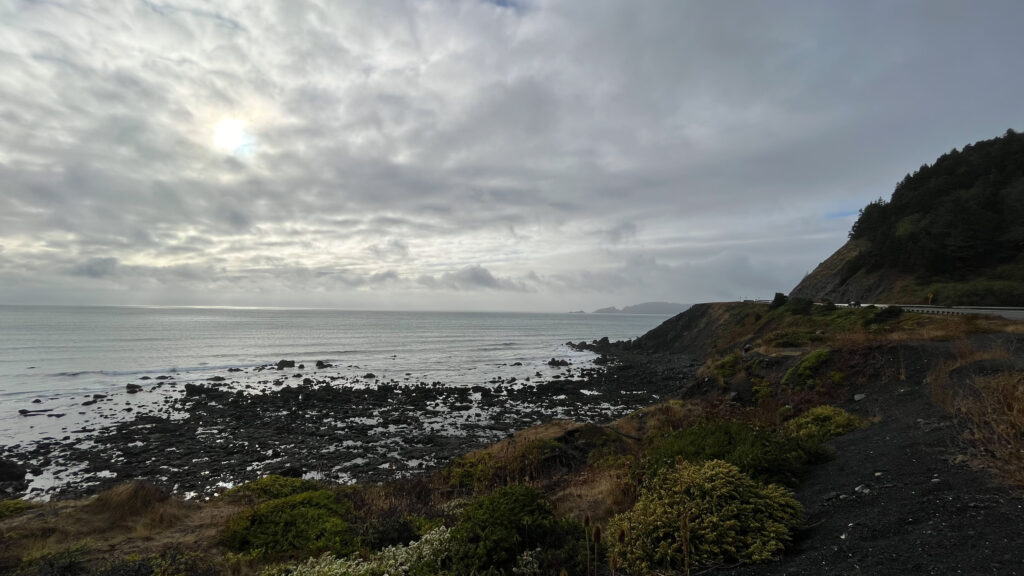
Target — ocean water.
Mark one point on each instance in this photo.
(54, 358)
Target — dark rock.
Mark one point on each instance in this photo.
(234, 369)
(320, 365)
(557, 362)
(282, 364)
(37, 401)
(133, 388)
(145, 378)
(369, 376)
(11, 471)
(216, 379)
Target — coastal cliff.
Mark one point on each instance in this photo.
(952, 233)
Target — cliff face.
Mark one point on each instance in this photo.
(840, 278)
(688, 333)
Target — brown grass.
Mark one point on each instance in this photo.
(134, 518)
(989, 402)
(994, 410)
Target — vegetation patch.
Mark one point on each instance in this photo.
(822, 423)
(300, 525)
(10, 508)
(272, 487)
(759, 452)
(805, 373)
(427, 556)
(694, 515)
(495, 530)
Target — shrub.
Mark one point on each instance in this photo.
(474, 472)
(761, 453)
(171, 562)
(800, 306)
(303, 524)
(69, 561)
(822, 423)
(425, 557)
(272, 487)
(706, 514)
(494, 530)
(883, 315)
(803, 374)
(10, 508)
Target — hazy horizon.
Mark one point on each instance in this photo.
(502, 155)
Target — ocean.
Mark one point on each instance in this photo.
(52, 359)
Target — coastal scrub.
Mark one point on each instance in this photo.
(694, 515)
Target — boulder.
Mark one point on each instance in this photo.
(282, 364)
(133, 388)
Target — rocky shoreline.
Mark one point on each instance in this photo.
(315, 423)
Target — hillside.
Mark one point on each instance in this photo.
(953, 230)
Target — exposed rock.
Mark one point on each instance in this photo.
(282, 364)
(133, 388)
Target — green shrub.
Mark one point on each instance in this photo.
(494, 530)
(425, 557)
(303, 524)
(761, 453)
(272, 487)
(883, 315)
(800, 306)
(822, 423)
(10, 508)
(171, 562)
(69, 561)
(726, 368)
(694, 515)
(779, 300)
(803, 375)
(474, 472)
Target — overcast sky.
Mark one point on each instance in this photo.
(513, 155)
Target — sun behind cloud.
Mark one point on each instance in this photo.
(229, 135)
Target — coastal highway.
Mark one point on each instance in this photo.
(1006, 312)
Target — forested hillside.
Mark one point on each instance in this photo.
(953, 230)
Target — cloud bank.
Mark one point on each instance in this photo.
(533, 155)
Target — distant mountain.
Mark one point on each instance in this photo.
(951, 234)
(667, 308)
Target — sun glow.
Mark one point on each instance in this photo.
(230, 136)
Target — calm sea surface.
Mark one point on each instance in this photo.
(51, 358)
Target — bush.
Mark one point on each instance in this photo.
(168, 563)
(69, 561)
(803, 374)
(425, 557)
(779, 300)
(10, 508)
(822, 423)
(706, 514)
(761, 453)
(272, 487)
(304, 524)
(883, 315)
(800, 306)
(494, 530)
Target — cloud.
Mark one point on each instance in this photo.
(96, 268)
(473, 277)
(533, 153)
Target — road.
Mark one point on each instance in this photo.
(1006, 312)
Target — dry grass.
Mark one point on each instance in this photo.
(989, 400)
(134, 518)
(994, 409)
(596, 492)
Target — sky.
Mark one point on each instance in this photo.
(534, 155)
